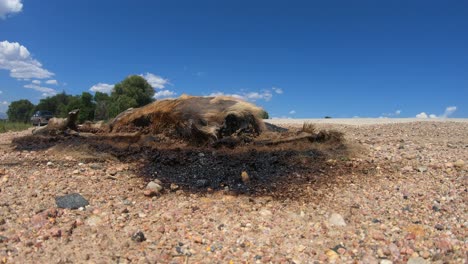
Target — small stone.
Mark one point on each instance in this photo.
(407, 169)
(55, 232)
(96, 166)
(300, 248)
(50, 164)
(174, 187)
(378, 236)
(141, 215)
(201, 183)
(265, 212)
(2, 221)
(386, 261)
(332, 255)
(425, 254)
(3, 239)
(154, 186)
(138, 237)
(245, 177)
(417, 260)
(93, 220)
(150, 193)
(422, 168)
(439, 227)
(436, 208)
(201, 154)
(76, 171)
(459, 163)
(336, 220)
(71, 201)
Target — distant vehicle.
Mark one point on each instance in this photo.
(41, 118)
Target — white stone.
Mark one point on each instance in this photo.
(336, 220)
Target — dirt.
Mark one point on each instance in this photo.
(389, 193)
(280, 171)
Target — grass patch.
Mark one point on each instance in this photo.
(6, 126)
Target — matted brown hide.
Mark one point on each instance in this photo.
(193, 118)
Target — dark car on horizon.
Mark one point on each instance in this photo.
(41, 118)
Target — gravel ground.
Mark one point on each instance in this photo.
(410, 205)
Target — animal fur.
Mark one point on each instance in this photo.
(195, 118)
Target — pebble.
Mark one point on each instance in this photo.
(422, 168)
(93, 220)
(407, 169)
(71, 201)
(201, 183)
(174, 187)
(245, 177)
(386, 261)
(154, 186)
(332, 255)
(336, 220)
(459, 163)
(55, 232)
(138, 237)
(417, 260)
(96, 166)
(49, 163)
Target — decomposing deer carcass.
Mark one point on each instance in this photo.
(220, 121)
(193, 118)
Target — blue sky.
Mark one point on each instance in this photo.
(294, 58)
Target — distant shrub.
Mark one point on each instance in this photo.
(265, 115)
(6, 126)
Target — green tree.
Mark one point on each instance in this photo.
(20, 111)
(101, 111)
(264, 115)
(57, 104)
(134, 91)
(87, 107)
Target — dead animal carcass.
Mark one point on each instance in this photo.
(194, 118)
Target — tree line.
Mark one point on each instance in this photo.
(133, 91)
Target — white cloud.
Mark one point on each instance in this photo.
(10, 7)
(54, 82)
(254, 96)
(421, 115)
(4, 106)
(17, 59)
(249, 96)
(277, 90)
(102, 87)
(449, 111)
(397, 112)
(224, 94)
(36, 82)
(292, 112)
(1, 92)
(45, 91)
(164, 94)
(156, 81)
